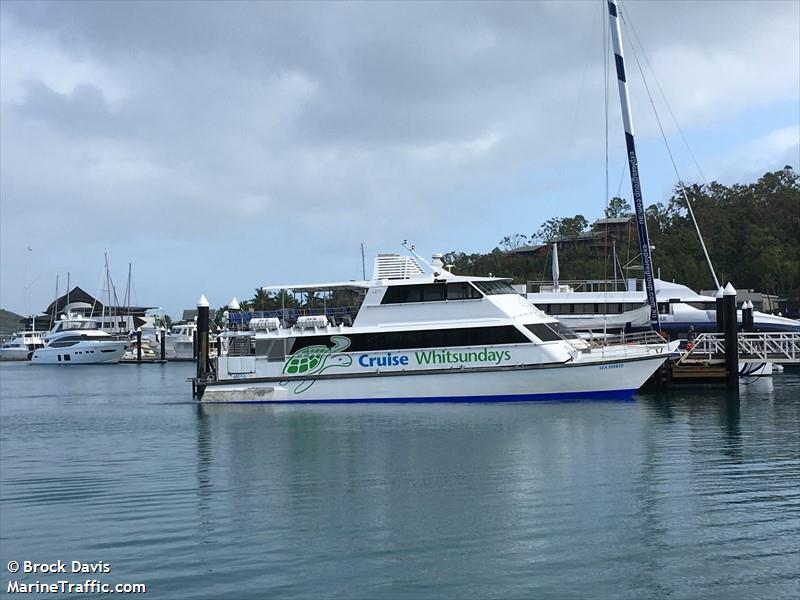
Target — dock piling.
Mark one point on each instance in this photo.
(747, 316)
(731, 337)
(139, 346)
(720, 311)
(202, 339)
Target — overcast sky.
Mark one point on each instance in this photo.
(222, 146)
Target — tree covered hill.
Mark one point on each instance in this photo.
(9, 321)
(752, 232)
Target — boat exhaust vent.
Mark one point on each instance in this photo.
(394, 266)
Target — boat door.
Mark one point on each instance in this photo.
(241, 356)
(241, 365)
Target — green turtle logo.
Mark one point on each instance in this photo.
(316, 359)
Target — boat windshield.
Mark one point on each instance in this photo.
(73, 325)
(493, 288)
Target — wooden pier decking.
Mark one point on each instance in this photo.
(704, 361)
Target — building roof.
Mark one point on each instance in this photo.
(528, 249)
(614, 220)
(77, 294)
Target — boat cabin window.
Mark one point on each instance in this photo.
(74, 325)
(407, 340)
(543, 332)
(595, 308)
(462, 291)
(66, 341)
(273, 349)
(492, 288)
(548, 332)
(703, 305)
(401, 294)
(562, 330)
(430, 292)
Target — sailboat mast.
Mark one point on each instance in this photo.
(638, 204)
(55, 306)
(555, 267)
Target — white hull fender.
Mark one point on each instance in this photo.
(84, 353)
(572, 380)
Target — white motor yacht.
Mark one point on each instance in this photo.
(420, 336)
(22, 345)
(679, 309)
(78, 340)
(179, 344)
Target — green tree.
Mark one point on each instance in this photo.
(512, 242)
(618, 208)
(751, 231)
(262, 300)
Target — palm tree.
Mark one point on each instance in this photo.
(262, 300)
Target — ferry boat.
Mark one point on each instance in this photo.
(77, 340)
(422, 334)
(21, 345)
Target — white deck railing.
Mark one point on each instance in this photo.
(768, 347)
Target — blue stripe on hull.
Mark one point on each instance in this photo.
(557, 396)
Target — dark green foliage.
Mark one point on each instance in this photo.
(752, 233)
(9, 322)
(618, 207)
(560, 227)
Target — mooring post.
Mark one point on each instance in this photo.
(747, 316)
(163, 343)
(202, 339)
(720, 311)
(731, 338)
(235, 308)
(138, 345)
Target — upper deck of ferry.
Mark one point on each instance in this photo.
(406, 295)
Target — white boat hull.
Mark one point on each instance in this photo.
(755, 369)
(14, 354)
(83, 353)
(179, 350)
(632, 319)
(576, 380)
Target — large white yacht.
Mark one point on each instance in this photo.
(584, 307)
(78, 340)
(22, 345)
(422, 335)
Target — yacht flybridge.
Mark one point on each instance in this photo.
(418, 333)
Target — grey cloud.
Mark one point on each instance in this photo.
(83, 111)
(325, 121)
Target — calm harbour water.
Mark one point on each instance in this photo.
(691, 494)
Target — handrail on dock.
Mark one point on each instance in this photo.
(776, 347)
